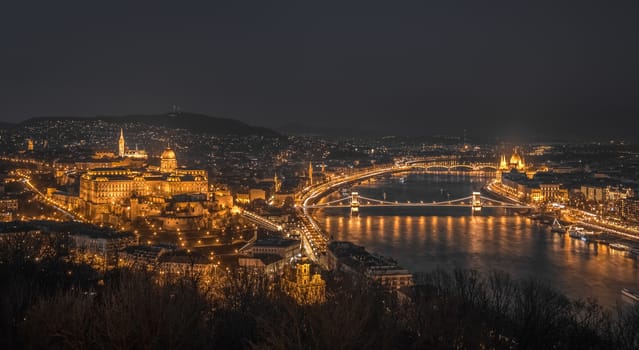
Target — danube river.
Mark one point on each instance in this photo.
(423, 239)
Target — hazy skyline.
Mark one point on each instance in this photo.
(524, 68)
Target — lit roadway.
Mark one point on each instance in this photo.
(590, 220)
(313, 239)
(584, 218)
(27, 181)
(39, 195)
(259, 220)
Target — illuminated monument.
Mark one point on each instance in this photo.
(107, 191)
(516, 162)
(123, 152)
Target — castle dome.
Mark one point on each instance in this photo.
(168, 154)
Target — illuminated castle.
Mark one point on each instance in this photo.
(105, 191)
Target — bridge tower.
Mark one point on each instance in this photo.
(354, 204)
(476, 201)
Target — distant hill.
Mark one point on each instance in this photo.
(309, 130)
(196, 123)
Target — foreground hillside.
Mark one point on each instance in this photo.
(54, 304)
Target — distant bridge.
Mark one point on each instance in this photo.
(438, 164)
(475, 202)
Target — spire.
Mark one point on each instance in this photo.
(276, 182)
(121, 147)
(502, 163)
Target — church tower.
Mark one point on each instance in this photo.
(121, 144)
(277, 184)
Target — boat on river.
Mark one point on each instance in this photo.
(557, 227)
(632, 294)
(579, 233)
(575, 231)
(618, 246)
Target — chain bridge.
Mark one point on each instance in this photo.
(475, 202)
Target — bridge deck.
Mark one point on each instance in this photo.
(431, 205)
(363, 202)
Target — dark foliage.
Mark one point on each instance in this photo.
(53, 304)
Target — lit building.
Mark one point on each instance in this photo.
(516, 162)
(304, 287)
(103, 190)
(99, 248)
(390, 276)
(185, 263)
(616, 193)
(123, 157)
(355, 260)
(286, 248)
(144, 257)
(8, 204)
(594, 193)
(257, 193)
(264, 263)
(123, 152)
(168, 161)
(183, 212)
(602, 192)
(553, 192)
(630, 209)
(100, 188)
(242, 198)
(517, 185)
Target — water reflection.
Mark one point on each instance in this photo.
(423, 240)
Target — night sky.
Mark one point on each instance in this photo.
(407, 67)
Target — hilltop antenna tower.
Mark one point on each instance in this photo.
(176, 110)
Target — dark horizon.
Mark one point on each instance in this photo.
(519, 70)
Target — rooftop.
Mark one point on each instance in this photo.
(276, 242)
